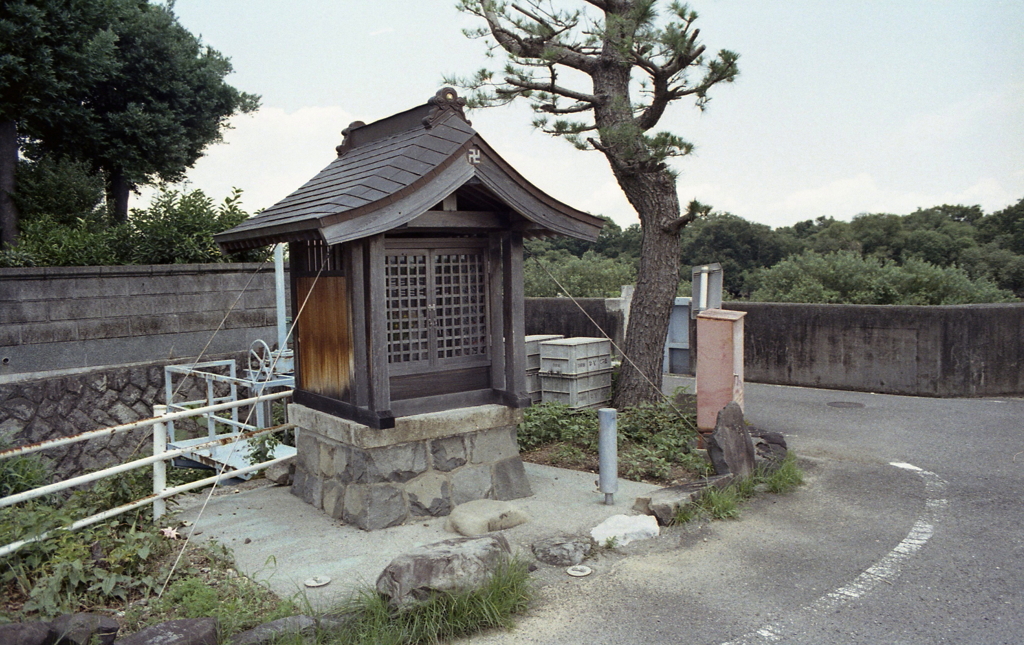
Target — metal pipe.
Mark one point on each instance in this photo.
(131, 465)
(282, 324)
(135, 425)
(159, 467)
(170, 492)
(608, 453)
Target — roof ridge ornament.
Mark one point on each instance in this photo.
(346, 142)
(446, 100)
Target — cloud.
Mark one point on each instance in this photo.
(268, 155)
(380, 32)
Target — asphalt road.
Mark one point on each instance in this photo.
(908, 531)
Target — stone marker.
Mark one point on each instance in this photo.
(484, 516)
(625, 529)
(563, 550)
(187, 631)
(281, 472)
(729, 446)
(268, 633)
(85, 629)
(450, 565)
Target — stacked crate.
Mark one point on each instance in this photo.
(533, 363)
(576, 372)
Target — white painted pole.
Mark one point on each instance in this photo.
(159, 467)
(282, 326)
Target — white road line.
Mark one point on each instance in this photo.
(885, 570)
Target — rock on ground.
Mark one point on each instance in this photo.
(447, 566)
(187, 631)
(625, 529)
(484, 516)
(268, 633)
(563, 550)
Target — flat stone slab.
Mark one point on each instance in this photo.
(563, 550)
(484, 516)
(623, 529)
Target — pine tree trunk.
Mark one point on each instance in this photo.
(8, 166)
(654, 197)
(118, 191)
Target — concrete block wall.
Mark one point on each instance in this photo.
(72, 318)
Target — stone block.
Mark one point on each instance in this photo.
(34, 392)
(10, 335)
(97, 381)
(137, 376)
(308, 450)
(402, 462)
(623, 529)
(472, 481)
(429, 494)
(325, 467)
(509, 479)
(19, 408)
(448, 566)
(186, 631)
(275, 630)
(494, 445)
(118, 379)
(86, 629)
(334, 499)
(374, 506)
(484, 516)
(729, 446)
(49, 332)
(448, 453)
(308, 487)
(360, 468)
(280, 473)
(122, 413)
(31, 633)
(562, 550)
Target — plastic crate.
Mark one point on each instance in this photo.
(533, 349)
(577, 390)
(575, 356)
(533, 385)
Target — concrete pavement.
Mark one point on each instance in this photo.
(907, 531)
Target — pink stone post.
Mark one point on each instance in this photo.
(719, 364)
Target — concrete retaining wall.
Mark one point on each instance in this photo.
(70, 318)
(950, 351)
(562, 316)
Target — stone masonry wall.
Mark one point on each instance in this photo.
(49, 408)
(425, 466)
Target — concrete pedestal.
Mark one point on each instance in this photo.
(719, 364)
(424, 466)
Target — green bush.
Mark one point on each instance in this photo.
(176, 228)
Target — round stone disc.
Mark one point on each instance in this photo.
(317, 581)
(579, 571)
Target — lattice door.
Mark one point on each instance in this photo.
(436, 307)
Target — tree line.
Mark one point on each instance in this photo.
(940, 255)
(116, 89)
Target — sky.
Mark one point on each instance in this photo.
(840, 108)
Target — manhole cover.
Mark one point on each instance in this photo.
(845, 404)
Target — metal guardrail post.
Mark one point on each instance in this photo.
(159, 467)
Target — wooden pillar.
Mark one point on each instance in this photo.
(515, 321)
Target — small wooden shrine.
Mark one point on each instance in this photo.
(406, 268)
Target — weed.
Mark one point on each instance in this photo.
(721, 503)
(371, 620)
(611, 542)
(786, 477)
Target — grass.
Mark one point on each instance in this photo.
(372, 620)
(724, 503)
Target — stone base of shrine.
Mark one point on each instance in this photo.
(424, 466)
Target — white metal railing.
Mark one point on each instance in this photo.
(160, 456)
